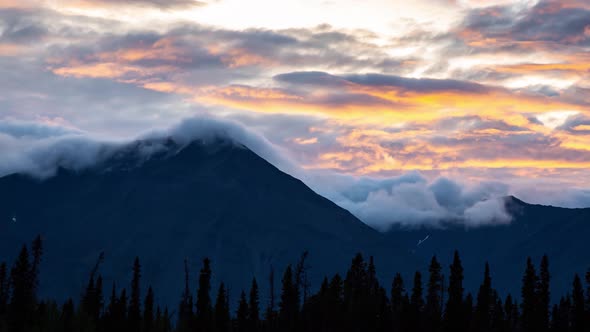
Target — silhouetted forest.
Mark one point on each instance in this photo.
(353, 302)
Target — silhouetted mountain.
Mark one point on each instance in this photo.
(218, 200)
(535, 230)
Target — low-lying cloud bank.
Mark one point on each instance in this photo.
(409, 200)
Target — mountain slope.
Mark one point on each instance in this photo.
(217, 199)
(535, 230)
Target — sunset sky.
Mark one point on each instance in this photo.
(477, 91)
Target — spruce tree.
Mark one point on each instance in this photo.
(4, 289)
(356, 293)
(22, 301)
(134, 315)
(67, 316)
(335, 304)
(484, 303)
(288, 305)
(578, 310)
(242, 314)
(529, 298)
(398, 293)
(254, 307)
(455, 310)
(432, 310)
(543, 294)
(204, 314)
(221, 313)
(37, 252)
(185, 308)
(416, 304)
(148, 311)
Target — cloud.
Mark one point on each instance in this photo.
(422, 85)
(162, 4)
(409, 200)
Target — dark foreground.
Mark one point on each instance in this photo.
(354, 302)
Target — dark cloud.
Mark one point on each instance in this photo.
(577, 125)
(423, 85)
(312, 78)
(417, 84)
(547, 22)
(164, 4)
(21, 26)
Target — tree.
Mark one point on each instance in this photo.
(135, 299)
(356, 295)
(67, 316)
(254, 307)
(288, 309)
(185, 308)
(242, 314)
(529, 298)
(22, 302)
(4, 289)
(148, 311)
(204, 308)
(416, 304)
(578, 313)
(221, 315)
(270, 315)
(300, 279)
(512, 314)
(485, 303)
(432, 310)
(37, 251)
(455, 310)
(543, 294)
(398, 293)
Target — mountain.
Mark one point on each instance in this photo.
(217, 199)
(535, 230)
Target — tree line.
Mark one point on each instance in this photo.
(353, 302)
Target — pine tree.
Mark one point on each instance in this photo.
(398, 292)
(356, 294)
(254, 308)
(185, 308)
(578, 310)
(67, 316)
(484, 303)
(37, 251)
(543, 295)
(135, 299)
(288, 305)
(221, 315)
(455, 309)
(148, 311)
(121, 320)
(432, 310)
(22, 302)
(416, 304)
(334, 304)
(529, 298)
(204, 314)
(92, 300)
(271, 315)
(498, 317)
(512, 315)
(242, 314)
(4, 288)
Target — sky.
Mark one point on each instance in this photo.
(379, 104)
